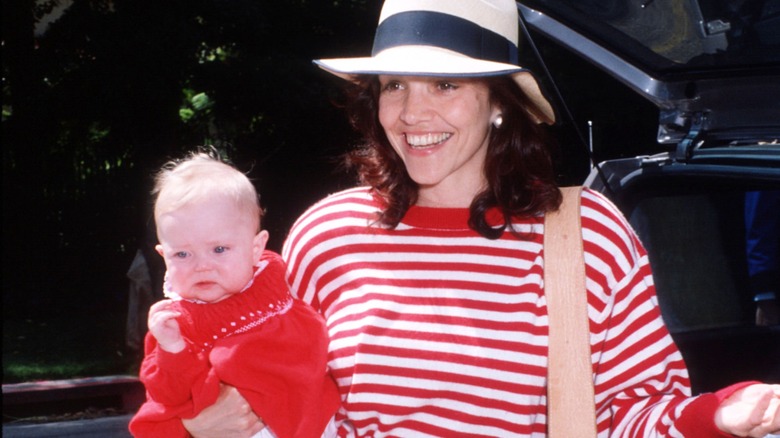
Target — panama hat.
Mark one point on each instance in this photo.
(447, 38)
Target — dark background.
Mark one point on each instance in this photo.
(96, 101)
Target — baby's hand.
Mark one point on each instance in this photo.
(164, 327)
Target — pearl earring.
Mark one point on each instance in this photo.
(498, 121)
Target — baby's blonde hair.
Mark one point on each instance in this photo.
(201, 176)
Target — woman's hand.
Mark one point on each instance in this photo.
(753, 411)
(230, 416)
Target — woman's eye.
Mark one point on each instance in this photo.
(391, 86)
(447, 86)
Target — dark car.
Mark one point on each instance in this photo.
(704, 195)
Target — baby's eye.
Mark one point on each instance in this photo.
(180, 254)
(220, 249)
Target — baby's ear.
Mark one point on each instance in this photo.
(159, 250)
(258, 245)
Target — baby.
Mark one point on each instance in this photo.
(229, 316)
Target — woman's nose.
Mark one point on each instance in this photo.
(416, 107)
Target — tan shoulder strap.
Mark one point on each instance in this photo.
(571, 410)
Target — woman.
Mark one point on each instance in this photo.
(429, 276)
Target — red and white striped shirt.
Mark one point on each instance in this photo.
(438, 331)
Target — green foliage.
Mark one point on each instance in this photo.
(59, 347)
(196, 108)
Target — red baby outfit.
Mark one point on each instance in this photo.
(270, 346)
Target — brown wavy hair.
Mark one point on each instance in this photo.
(518, 167)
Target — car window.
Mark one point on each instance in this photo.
(677, 34)
(712, 253)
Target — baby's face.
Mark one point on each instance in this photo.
(210, 248)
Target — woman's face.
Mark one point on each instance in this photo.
(439, 127)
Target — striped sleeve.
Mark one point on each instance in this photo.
(641, 382)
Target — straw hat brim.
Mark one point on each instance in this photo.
(435, 61)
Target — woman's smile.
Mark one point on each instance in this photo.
(424, 141)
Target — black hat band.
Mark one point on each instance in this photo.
(425, 28)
